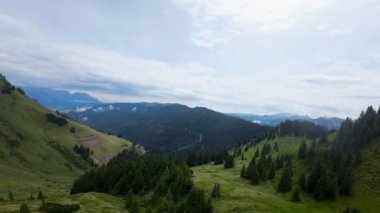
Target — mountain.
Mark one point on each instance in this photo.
(276, 119)
(168, 127)
(37, 147)
(59, 99)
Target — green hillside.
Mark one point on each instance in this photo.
(239, 195)
(38, 155)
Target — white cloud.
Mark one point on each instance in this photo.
(216, 21)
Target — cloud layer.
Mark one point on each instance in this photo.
(245, 56)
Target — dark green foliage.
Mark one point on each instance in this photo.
(192, 159)
(197, 202)
(325, 187)
(302, 181)
(10, 196)
(85, 154)
(229, 162)
(285, 182)
(40, 196)
(24, 208)
(218, 158)
(272, 172)
(350, 210)
(142, 174)
(72, 129)
(131, 203)
(31, 197)
(275, 148)
(8, 88)
(215, 193)
(21, 91)
(50, 207)
(242, 171)
(167, 128)
(301, 129)
(296, 197)
(302, 150)
(56, 120)
(257, 153)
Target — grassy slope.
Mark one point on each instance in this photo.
(34, 164)
(238, 195)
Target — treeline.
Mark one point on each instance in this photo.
(160, 182)
(85, 153)
(55, 119)
(8, 88)
(263, 166)
(301, 129)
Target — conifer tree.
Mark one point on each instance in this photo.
(296, 195)
(257, 153)
(230, 162)
(302, 150)
(24, 208)
(40, 196)
(272, 172)
(302, 181)
(10, 196)
(215, 191)
(285, 182)
(242, 172)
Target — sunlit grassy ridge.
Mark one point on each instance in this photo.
(36, 154)
(238, 195)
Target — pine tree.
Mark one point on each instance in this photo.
(40, 196)
(345, 185)
(10, 196)
(215, 193)
(296, 195)
(230, 162)
(302, 150)
(257, 153)
(255, 178)
(272, 172)
(24, 208)
(275, 148)
(285, 182)
(302, 181)
(242, 172)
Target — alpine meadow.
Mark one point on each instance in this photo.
(188, 106)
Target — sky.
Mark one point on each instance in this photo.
(314, 57)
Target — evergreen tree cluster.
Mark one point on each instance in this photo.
(355, 134)
(330, 172)
(262, 167)
(56, 120)
(167, 182)
(301, 129)
(85, 153)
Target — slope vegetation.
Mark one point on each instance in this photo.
(239, 195)
(168, 127)
(36, 154)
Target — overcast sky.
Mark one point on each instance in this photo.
(315, 57)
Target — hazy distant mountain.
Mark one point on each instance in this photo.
(59, 99)
(276, 119)
(168, 127)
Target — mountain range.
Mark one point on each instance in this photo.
(59, 99)
(276, 119)
(168, 127)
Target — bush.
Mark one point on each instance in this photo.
(56, 120)
(24, 208)
(59, 208)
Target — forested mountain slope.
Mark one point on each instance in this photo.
(168, 128)
(288, 173)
